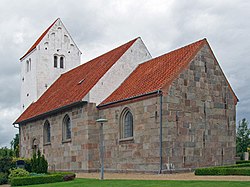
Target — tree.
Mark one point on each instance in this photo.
(15, 145)
(38, 163)
(242, 136)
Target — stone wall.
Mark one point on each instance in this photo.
(81, 153)
(199, 116)
(141, 153)
(198, 127)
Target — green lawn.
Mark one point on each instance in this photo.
(142, 183)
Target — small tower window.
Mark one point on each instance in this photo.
(61, 62)
(55, 61)
(30, 63)
(27, 66)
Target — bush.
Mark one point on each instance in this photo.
(19, 172)
(38, 163)
(243, 161)
(27, 161)
(3, 178)
(67, 176)
(223, 171)
(6, 164)
(21, 181)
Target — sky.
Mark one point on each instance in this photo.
(98, 26)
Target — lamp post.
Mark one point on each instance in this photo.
(101, 121)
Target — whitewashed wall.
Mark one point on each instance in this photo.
(56, 42)
(113, 78)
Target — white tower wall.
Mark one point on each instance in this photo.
(56, 42)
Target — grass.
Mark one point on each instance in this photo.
(144, 183)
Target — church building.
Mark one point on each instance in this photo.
(176, 111)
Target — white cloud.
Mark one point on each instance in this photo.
(98, 26)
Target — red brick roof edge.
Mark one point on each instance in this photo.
(74, 85)
(146, 77)
(38, 40)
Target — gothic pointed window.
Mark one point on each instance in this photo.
(61, 62)
(126, 124)
(55, 61)
(46, 132)
(66, 128)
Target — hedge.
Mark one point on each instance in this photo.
(243, 161)
(67, 176)
(3, 178)
(21, 181)
(223, 171)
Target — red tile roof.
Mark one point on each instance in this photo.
(155, 74)
(38, 40)
(72, 86)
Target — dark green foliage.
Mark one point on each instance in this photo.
(38, 163)
(5, 152)
(243, 161)
(67, 176)
(34, 164)
(223, 171)
(6, 164)
(44, 165)
(21, 181)
(242, 136)
(239, 169)
(15, 145)
(3, 178)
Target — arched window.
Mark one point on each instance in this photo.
(66, 128)
(61, 62)
(126, 124)
(55, 61)
(35, 145)
(46, 132)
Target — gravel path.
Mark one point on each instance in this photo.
(182, 176)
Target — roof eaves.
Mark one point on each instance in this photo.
(75, 104)
(130, 98)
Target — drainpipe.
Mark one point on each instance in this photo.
(160, 93)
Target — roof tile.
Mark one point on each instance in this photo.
(72, 86)
(152, 75)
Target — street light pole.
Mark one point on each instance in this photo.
(101, 121)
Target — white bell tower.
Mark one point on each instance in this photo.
(52, 54)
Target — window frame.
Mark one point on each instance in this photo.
(55, 61)
(66, 128)
(61, 62)
(47, 133)
(126, 124)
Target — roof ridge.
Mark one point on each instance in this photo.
(172, 62)
(202, 42)
(123, 45)
(76, 83)
(39, 39)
